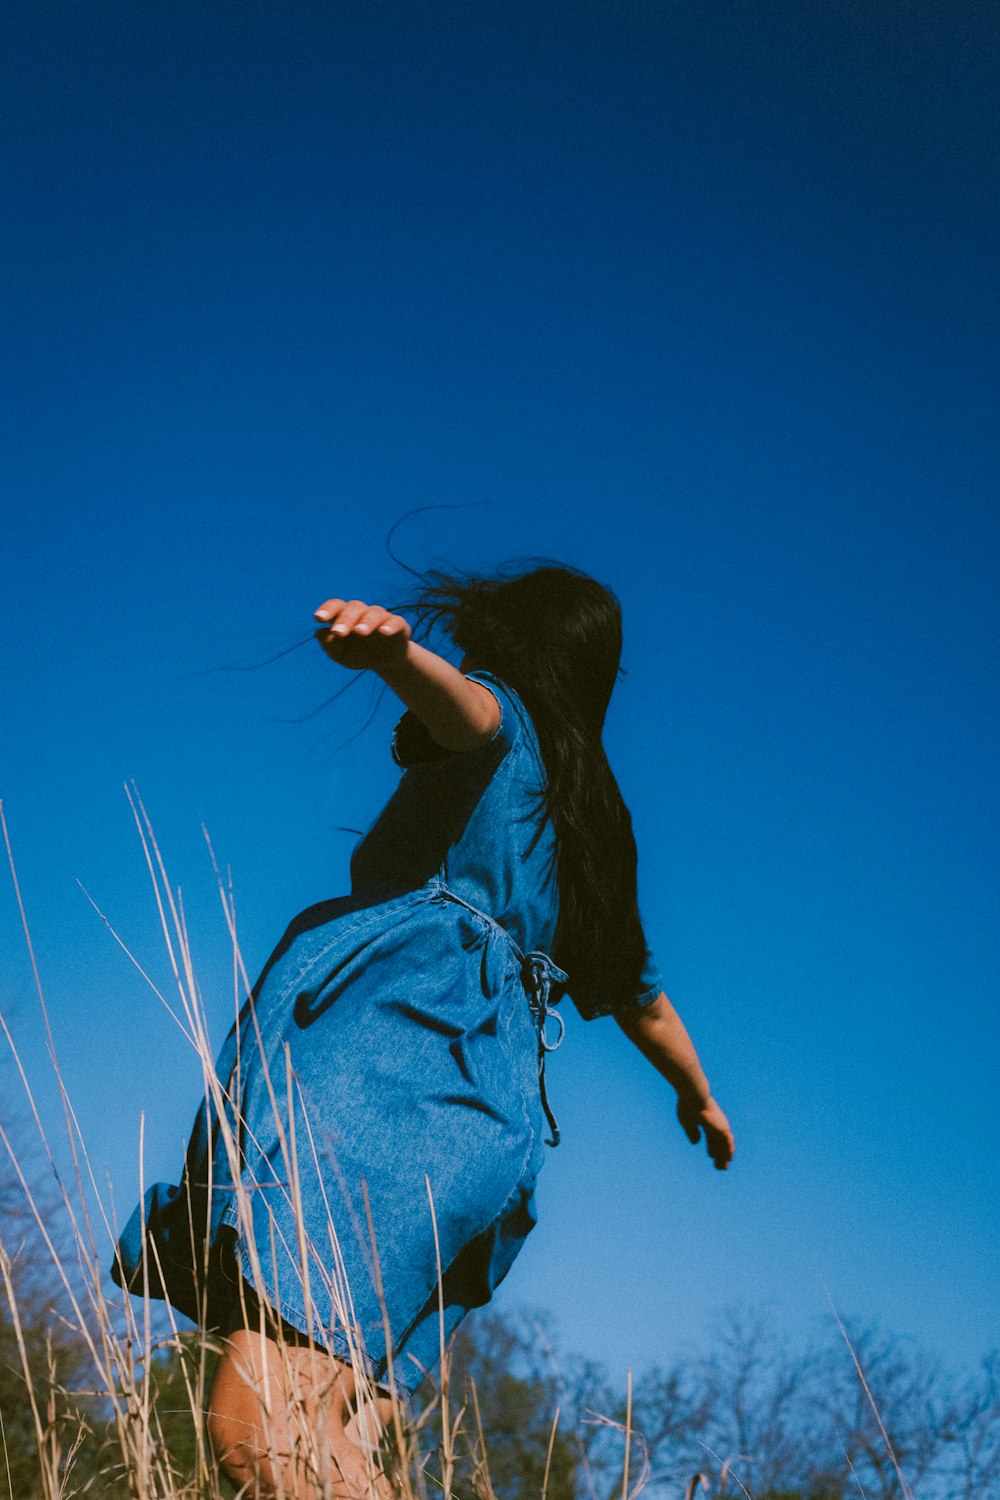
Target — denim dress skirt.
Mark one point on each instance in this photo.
(368, 1147)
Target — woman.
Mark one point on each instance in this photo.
(363, 1170)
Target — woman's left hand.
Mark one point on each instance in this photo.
(709, 1118)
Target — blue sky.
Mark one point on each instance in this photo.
(701, 298)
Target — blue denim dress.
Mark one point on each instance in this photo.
(367, 1152)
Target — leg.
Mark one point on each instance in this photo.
(287, 1422)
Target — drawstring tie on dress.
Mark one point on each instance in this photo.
(539, 972)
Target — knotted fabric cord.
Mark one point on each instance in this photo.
(538, 974)
(542, 971)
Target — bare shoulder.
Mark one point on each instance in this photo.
(487, 709)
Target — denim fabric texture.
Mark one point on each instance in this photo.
(380, 1091)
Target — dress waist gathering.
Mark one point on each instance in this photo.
(539, 973)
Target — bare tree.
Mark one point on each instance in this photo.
(890, 1406)
(973, 1461)
(761, 1425)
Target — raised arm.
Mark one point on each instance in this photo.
(661, 1036)
(457, 713)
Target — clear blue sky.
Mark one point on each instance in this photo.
(700, 297)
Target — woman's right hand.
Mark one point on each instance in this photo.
(361, 636)
(709, 1118)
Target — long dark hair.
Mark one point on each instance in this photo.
(554, 634)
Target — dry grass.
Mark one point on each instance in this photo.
(115, 1391)
(125, 1412)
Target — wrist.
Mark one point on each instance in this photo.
(391, 671)
(694, 1094)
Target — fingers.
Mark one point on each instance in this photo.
(688, 1121)
(721, 1147)
(357, 635)
(371, 616)
(719, 1142)
(328, 610)
(342, 616)
(353, 616)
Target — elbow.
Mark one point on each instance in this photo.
(639, 1017)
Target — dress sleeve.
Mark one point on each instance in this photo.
(650, 987)
(412, 743)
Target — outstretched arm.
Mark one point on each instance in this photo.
(458, 714)
(661, 1036)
